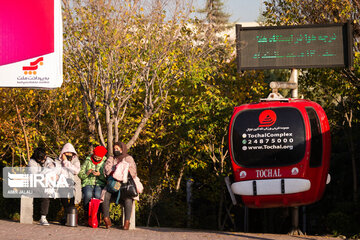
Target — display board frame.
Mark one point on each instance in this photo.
(247, 48)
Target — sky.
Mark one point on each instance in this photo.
(240, 10)
(243, 10)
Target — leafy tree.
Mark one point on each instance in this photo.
(289, 12)
(337, 90)
(216, 20)
(126, 53)
(215, 15)
(38, 117)
(142, 72)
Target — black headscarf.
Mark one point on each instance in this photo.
(39, 155)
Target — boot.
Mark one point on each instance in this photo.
(126, 225)
(107, 222)
(93, 212)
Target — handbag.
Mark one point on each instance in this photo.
(113, 185)
(129, 188)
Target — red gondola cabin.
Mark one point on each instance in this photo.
(280, 152)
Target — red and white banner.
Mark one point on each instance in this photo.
(31, 45)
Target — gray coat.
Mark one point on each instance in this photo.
(35, 167)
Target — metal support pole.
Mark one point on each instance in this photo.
(295, 221)
(304, 219)
(294, 79)
(189, 183)
(228, 186)
(291, 84)
(295, 217)
(246, 219)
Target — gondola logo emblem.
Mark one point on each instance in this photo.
(31, 70)
(267, 118)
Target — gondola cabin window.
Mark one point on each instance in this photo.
(316, 138)
(268, 137)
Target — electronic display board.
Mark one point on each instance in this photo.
(301, 46)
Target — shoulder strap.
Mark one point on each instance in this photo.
(118, 198)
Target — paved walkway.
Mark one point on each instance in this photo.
(16, 231)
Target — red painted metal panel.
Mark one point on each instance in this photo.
(261, 122)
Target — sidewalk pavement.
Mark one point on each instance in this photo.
(16, 231)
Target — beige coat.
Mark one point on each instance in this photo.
(110, 166)
(71, 168)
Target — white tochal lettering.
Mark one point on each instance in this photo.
(268, 173)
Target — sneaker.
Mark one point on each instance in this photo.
(44, 222)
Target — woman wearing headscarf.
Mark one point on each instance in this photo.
(70, 167)
(92, 176)
(120, 155)
(37, 163)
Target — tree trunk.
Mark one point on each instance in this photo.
(91, 125)
(25, 134)
(150, 213)
(177, 188)
(116, 129)
(12, 157)
(138, 130)
(92, 130)
(110, 135)
(348, 117)
(100, 133)
(220, 210)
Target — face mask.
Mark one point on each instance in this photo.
(69, 158)
(117, 153)
(42, 162)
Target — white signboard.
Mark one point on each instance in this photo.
(31, 45)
